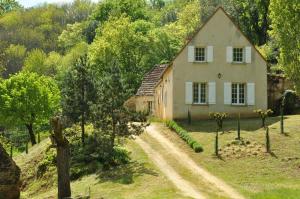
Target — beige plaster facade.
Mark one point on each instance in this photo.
(219, 34)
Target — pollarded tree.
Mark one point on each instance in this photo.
(28, 99)
(77, 91)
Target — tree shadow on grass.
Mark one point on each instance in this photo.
(209, 125)
(125, 174)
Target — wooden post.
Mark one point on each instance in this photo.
(217, 144)
(268, 145)
(63, 158)
(239, 128)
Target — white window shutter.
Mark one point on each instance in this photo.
(188, 92)
(191, 53)
(251, 94)
(227, 93)
(210, 53)
(229, 53)
(212, 93)
(248, 54)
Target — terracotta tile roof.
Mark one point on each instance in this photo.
(150, 80)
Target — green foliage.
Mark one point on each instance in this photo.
(49, 160)
(28, 99)
(219, 117)
(13, 58)
(183, 134)
(289, 100)
(8, 5)
(5, 142)
(34, 62)
(263, 115)
(287, 13)
(72, 35)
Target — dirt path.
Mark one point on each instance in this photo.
(186, 187)
(182, 157)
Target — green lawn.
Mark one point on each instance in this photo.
(137, 180)
(253, 172)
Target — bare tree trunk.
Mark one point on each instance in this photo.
(63, 159)
(82, 128)
(31, 133)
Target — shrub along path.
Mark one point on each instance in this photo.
(196, 172)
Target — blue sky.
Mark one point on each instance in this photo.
(30, 3)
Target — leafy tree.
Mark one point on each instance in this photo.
(78, 10)
(128, 42)
(285, 16)
(77, 91)
(71, 36)
(35, 62)
(28, 99)
(8, 5)
(263, 115)
(111, 119)
(13, 59)
(134, 9)
(53, 64)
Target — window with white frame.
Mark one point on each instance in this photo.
(200, 54)
(238, 93)
(199, 93)
(238, 55)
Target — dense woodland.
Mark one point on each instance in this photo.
(83, 60)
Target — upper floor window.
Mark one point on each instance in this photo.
(200, 54)
(238, 55)
(199, 93)
(238, 94)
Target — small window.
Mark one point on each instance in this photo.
(200, 54)
(199, 93)
(238, 55)
(238, 94)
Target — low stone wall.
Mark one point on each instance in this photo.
(9, 177)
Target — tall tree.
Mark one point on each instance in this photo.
(77, 92)
(285, 15)
(13, 59)
(28, 99)
(111, 119)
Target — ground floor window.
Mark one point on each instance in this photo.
(199, 93)
(238, 93)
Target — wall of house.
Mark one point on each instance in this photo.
(140, 103)
(164, 96)
(219, 32)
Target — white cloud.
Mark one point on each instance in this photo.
(30, 3)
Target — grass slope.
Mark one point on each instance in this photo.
(263, 176)
(138, 179)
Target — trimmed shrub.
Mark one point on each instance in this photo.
(183, 134)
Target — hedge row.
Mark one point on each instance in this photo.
(185, 136)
